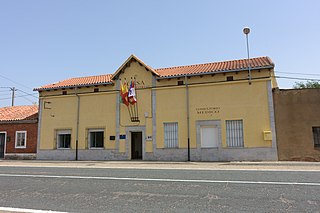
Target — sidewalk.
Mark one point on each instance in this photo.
(246, 165)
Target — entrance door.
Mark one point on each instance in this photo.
(209, 136)
(2, 141)
(136, 145)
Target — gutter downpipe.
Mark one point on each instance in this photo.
(77, 128)
(188, 117)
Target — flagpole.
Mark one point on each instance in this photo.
(129, 110)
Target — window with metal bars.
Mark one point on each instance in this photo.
(171, 135)
(234, 133)
(316, 136)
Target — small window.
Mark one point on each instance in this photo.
(64, 92)
(316, 136)
(180, 82)
(21, 139)
(63, 139)
(229, 78)
(96, 138)
(234, 133)
(96, 90)
(171, 135)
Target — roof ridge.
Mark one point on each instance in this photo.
(31, 105)
(87, 76)
(192, 65)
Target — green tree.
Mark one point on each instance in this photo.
(308, 84)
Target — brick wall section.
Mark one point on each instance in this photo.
(32, 130)
(296, 112)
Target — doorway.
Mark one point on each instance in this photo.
(2, 142)
(136, 145)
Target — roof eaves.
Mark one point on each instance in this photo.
(18, 121)
(72, 86)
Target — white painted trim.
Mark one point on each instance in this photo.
(96, 130)
(5, 143)
(25, 142)
(63, 132)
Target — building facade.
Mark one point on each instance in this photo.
(18, 132)
(203, 112)
(297, 118)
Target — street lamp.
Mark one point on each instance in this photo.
(246, 31)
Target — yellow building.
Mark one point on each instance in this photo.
(221, 111)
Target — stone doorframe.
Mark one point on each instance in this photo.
(130, 129)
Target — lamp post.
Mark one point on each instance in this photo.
(246, 31)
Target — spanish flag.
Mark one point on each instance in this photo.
(124, 93)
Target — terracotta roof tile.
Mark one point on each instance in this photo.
(17, 113)
(197, 69)
(223, 66)
(81, 81)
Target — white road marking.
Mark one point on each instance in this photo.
(280, 169)
(10, 209)
(164, 180)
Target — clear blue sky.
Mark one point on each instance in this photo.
(44, 41)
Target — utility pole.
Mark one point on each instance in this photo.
(13, 89)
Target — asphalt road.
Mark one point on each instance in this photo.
(153, 190)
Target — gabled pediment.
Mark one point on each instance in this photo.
(127, 63)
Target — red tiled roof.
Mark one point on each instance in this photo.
(197, 69)
(18, 113)
(82, 81)
(224, 66)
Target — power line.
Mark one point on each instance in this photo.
(19, 96)
(297, 73)
(13, 90)
(15, 82)
(293, 78)
(5, 98)
(28, 100)
(33, 95)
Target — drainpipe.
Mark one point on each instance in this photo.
(188, 118)
(77, 128)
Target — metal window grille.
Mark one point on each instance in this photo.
(96, 138)
(234, 133)
(316, 136)
(171, 135)
(64, 138)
